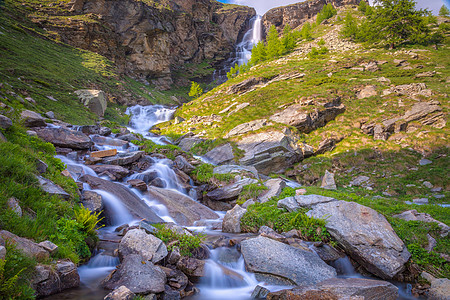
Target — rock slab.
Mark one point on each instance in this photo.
(148, 246)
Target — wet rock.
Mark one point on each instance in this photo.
(49, 280)
(133, 203)
(247, 127)
(112, 171)
(64, 138)
(149, 247)
(92, 201)
(367, 91)
(192, 267)
(95, 100)
(32, 119)
(328, 181)
(107, 141)
(259, 292)
(182, 164)
(230, 191)
(271, 151)
(182, 209)
(123, 159)
(274, 188)
(296, 115)
(5, 122)
(51, 188)
(138, 184)
(139, 275)
(158, 183)
(13, 204)
(120, 293)
(49, 246)
(175, 278)
(359, 287)
(129, 137)
(104, 153)
(413, 215)
(326, 252)
(365, 235)
(232, 220)
(267, 256)
(220, 155)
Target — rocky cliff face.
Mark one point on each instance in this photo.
(151, 40)
(296, 14)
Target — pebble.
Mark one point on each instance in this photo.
(428, 184)
(424, 162)
(420, 201)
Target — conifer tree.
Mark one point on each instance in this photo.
(289, 39)
(196, 91)
(444, 12)
(274, 46)
(258, 53)
(362, 7)
(350, 28)
(327, 12)
(305, 33)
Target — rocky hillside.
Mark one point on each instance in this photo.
(152, 41)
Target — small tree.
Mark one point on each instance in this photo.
(362, 7)
(350, 28)
(327, 12)
(258, 53)
(444, 12)
(274, 46)
(196, 91)
(289, 40)
(305, 33)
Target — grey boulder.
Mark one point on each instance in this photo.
(148, 246)
(64, 138)
(232, 220)
(32, 119)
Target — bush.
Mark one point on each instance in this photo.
(196, 91)
(171, 151)
(185, 243)
(204, 174)
(250, 191)
(305, 33)
(327, 12)
(350, 28)
(317, 52)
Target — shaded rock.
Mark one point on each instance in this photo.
(95, 100)
(129, 137)
(149, 247)
(139, 275)
(275, 187)
(245, 86)
(186, 144)
(133, 203)
(176, 279)
(359, 287)
(326, 252)
(413, 215)
(328, 181)
(92, 201)
(367, 91)
(5, 122)
(326, 145)
(64, 138)
(13, 204)
(182, 164)
(230, 191)
(259, 292)
(271, 151)
(246, 127)
(192, 267)
(440, 289)
(138, 184)
(41, 166)
(49, 280)
(49, 246)
(424, 162)
(120, 293)
(267, 256)
(220, 155)
(123, 159)
(112, 171)
(268, 232)
(289, 204)
(359, 180)
(107, 141)
(235, 169)
(158, 183)
(50, 115)
(51, 188)
(182, 209)
(365, 235)
(296, 115)
(232, 220)
(2, 252)
(28, 247)
(32, 119)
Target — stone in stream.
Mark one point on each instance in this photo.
(138, 274)
(29, 248)
(120, 293)
(192, 267)
(123, 159)
(182, 209)
(112, 171)
(182, 164)
(92, 201)
(48, 280)
(107, 141)
(133, 203)
(274, 188)
(259, 292)
(137, 241)
(365, 235)
(267, 256)
(232, 220)
(64, 138)
(104, 153)
(138, 184)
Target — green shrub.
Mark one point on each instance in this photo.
(250, 191)
(317, 52)
(204, 174)
(171, 151)
(327, 12)
(185, 243)
(87, 219)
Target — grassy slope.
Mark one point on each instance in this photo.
(391, 165)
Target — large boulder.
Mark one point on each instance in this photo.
(266, 256)
(51, 188)
(138, 275)
(271, 151)
(5, 122)
(230, 191)
(305, 121)
(133, 203)
(29, 248)
(192, 267)
(232, 220)
(93, 201)
(32, 119)
(182, 209)
(112, 171)
(48, 280)
(95, 100)
(182, 164)
(148, 246)
(220, 155)
(65, 138)
(121, 293)
(365, 235)
(247, 127)
(123, 159)
(302, 201)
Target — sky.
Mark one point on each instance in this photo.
(262, 6)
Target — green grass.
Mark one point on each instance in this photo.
(185, 243)
(204, 174)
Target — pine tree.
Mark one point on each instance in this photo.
(327, 12)
(362, 7)
(258, 53)
(444, 12)
(196, 91)
(350, 28)
(305, 33)
(289, 39)
(274, 46)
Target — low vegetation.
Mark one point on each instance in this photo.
(186, 243)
